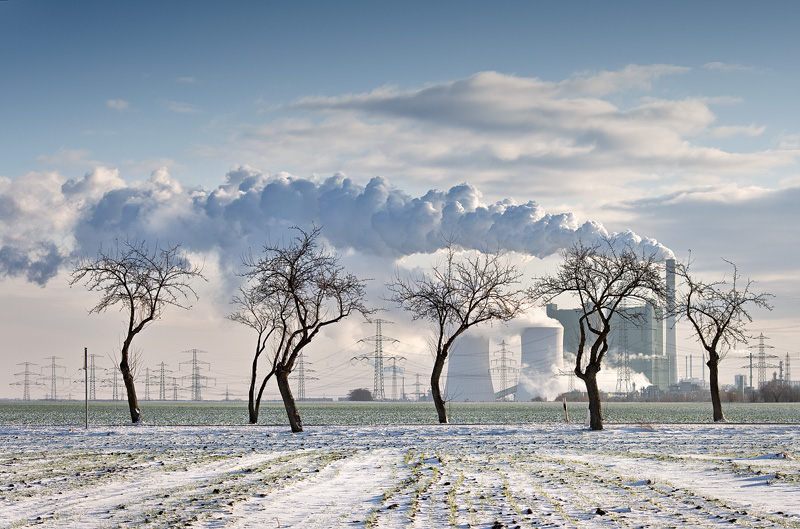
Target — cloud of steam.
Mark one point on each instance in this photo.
(48, 220)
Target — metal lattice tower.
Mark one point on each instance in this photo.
(761, 362)
(198, 381)
(393, 367)
(146, 383)
(417, 392)
(27, 381)
(504, 365)
(377, 358)
(115, 392)
(302, 376)
(92, 377)
(787, 376)
(162, 381)
(174, 388)
(53, 376)
(624, 368)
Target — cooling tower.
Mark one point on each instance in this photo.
(468, 376)
(542, 357)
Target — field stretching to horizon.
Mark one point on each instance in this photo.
(387, 466)
(207, 413)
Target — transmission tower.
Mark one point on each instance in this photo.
(302, 376)
(53, 376)
(27, 381)
(146, 383)
(504, 365)
(624, 368)
(162, 381)
(92, 377)
(377, 358)
(761, 362)
(174, 388)
(787, 376)
(197, 380)
(417, 392)
(393, 360)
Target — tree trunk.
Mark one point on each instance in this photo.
(252, 403)
(127, 377)
(295, 421)
(595, 408)
(436, 393)
(713, 380)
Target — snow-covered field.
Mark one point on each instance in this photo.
(533, 475)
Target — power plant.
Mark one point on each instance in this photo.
(642, 340)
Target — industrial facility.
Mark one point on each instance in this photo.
(642, 341)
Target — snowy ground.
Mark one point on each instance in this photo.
(543, 475)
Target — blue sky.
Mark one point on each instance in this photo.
(675, 120)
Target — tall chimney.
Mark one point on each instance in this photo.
(671, 350)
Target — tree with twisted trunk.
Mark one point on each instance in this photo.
(718, 314)
(602, 277)
(292, 292)
(144, 282)
(459, 293)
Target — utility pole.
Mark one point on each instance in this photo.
(197, 380)
(26, 382)
(377, 358)
(302, 377)
(504, 365)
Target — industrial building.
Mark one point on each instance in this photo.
(642, 340)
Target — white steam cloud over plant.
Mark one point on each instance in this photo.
(48, 220)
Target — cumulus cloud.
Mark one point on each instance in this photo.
(549, 138)
(49, 219)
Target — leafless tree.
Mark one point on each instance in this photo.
(460, 292)
(293, 291)
(144, 282)
(602, 277)
(718, 314)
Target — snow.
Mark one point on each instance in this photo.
(493, 476)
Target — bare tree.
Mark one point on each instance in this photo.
(459, 293)
(144, 282)
(293, 291)
(602, 278)
(719, 316)
(264, 315)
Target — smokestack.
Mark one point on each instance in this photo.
(671, 350)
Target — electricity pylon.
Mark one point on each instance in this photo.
(377, 358)
(162, 381)
(393, 360)
(197, 380)
(504, 365)
(761, 362)
(27, 381)
(302, 376)
(53, 376)
(624, 369)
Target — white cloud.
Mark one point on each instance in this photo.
(117, 104)
(738, 130)
(180, 107)
(187, 80)
(551, 139)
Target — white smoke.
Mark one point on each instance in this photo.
(49, 220)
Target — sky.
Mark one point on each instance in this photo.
(522, 125)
